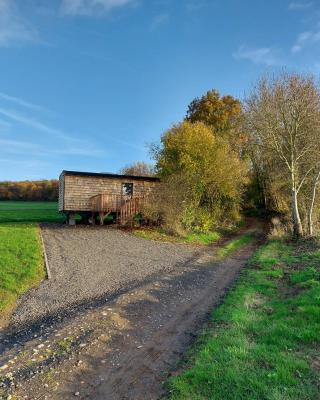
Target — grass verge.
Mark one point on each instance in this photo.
(191, 238)
(234, 245)
(263, 342)
(21, 262)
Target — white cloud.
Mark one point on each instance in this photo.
(61, 145)
(196, 5)
(17, 143)
(13, 28)
(79, 151)
(35, 124)
(263, 55)
(91, 7)
(71, 145)
(18, 147)
(158, 20)
(11, 146)
(14, 167)
(22, 162)
(300, 5)
(305, 39)
(22, 102)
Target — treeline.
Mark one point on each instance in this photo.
(282, 120)
(261, 154)
(45, 190)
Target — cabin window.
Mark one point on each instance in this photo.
(127, 189)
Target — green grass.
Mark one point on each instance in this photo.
(202, 238)
(28, 205)
(29, 211)
(263, 343)
(234, 244)
(21, 260)
(192, 238)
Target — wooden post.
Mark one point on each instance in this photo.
(46, 262)
(101, 215)
(72, 219)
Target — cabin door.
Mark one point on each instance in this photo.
(127, 190)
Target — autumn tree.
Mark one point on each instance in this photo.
(223, 114)
(202, 175)
(282, 117)
(46, 190)
(139, 168)
(214, 110)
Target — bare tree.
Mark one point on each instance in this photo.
(283, 121)
(314, 187)
(139, 168)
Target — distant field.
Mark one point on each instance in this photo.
(29, 211)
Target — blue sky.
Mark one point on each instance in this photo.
(86, 84)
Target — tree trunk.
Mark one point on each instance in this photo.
(313, 199)
(296, 220)
(297, 225)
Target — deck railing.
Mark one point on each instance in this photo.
(125, 207)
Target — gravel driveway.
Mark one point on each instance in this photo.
(88, 263)
(125, 347)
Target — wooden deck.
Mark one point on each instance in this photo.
(124, 207)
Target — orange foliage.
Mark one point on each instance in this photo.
(45, 190)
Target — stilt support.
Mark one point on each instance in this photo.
(101, 215)
(93, 217)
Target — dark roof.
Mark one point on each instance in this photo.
(110, 175)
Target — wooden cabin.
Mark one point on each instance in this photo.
(90, 194)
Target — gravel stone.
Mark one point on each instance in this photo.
(87, 263)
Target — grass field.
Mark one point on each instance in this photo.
(29, 211)
(263, 343)
(21, 261)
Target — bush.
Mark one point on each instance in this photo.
(202, 180)
(280, 229)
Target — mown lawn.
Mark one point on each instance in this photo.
(21, 260)
(263, 343)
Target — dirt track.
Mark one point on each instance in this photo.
(126, 347)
